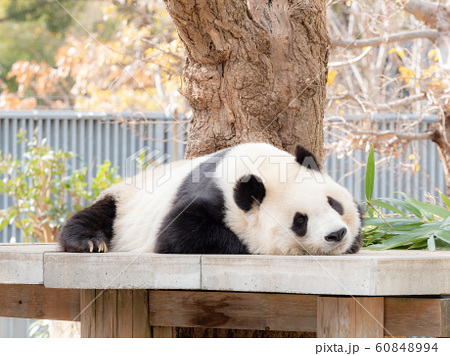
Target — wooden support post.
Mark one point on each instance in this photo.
(350, 317)
(114, 313)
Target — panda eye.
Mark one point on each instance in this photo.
(300, 224)
(336, 205)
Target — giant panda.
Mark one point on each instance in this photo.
(249, 199)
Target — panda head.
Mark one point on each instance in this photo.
(289, 206)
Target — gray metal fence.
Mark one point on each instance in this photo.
(393, 173)
(14, 327)
(96, 137)
(93, 136)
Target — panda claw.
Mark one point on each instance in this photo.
(101, 247)
(91, 246)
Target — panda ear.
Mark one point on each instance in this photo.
(249, 190)
(306, 158)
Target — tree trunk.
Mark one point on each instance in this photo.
(441, 139)
(256, 71)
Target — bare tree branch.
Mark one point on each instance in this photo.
(376, 41)
(348, 96)
(388, 136)
(379, 107)
(350, 61)
(396, 103)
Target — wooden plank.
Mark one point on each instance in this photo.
(141, 325)
(231, 310)
(38, 302)
(110, 313)
(325, 307)
(162, 332)
(87, 316)
(238, 333)
(124, 313)
(416, 316)
(346, 313)
(350, 317)
(99, 308)
(369, 315)
(445, 317)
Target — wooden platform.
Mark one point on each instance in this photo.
(371, 294)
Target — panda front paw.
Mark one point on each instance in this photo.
(84, 243)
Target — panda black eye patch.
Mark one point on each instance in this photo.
(336, 205)
(300, 224)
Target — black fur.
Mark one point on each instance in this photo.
(306, 158)
(249, 190)
(357, 242)
(196, 222)
(336, 205)
(300, 224)
(94, 223)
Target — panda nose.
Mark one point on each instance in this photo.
(336, 236)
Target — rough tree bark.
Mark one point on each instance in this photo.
(256, 71)
(441, 136)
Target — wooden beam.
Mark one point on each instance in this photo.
(87, 316)
(350, 317)
(417, 316)
(285, 312)
(162, 332)
(230, 310)
(37, 302)
(142, 313)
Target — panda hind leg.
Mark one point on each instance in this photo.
(90, 229)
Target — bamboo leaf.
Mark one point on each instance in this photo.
(392, 221)
(431, 209)
(406, 205)
(387, 206)
(444, 235)
(445, 199)
(370, 175)
(420, 244)
(443, 239)
(406, 238)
